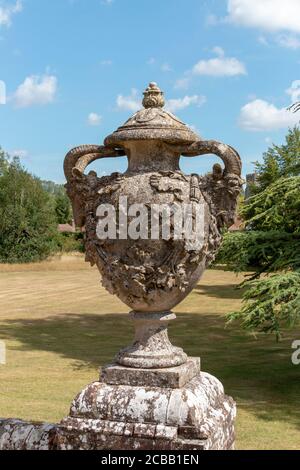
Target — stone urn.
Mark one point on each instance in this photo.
(152, 268)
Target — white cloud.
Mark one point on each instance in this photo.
(211, 20)
(35, 90)
(94, 119)
(220, 66)
(271, 15)
(178, 104)
(218, 51)
(7, 12)
(130, 103)
(294, 91)
(260, 115)
(151, 61)
(182, 83)
(289, 41)
(106, 62)
(263, 40)
(166, 67)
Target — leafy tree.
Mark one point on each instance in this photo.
(279, 161)
(271, 303)
(69, 242)
(271, 300)
(52, 188)
(62, 203)
(270, 245)
(275, 208)
(63, 208)
(28, 227)
(261, 252)
(4, 161)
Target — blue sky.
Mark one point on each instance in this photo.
(75, 69)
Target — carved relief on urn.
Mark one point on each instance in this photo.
(152, 274)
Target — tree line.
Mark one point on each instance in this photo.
(30, 211)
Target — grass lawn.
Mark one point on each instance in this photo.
(60, 326)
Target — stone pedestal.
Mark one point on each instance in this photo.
(159, 409)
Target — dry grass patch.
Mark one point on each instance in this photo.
(60, 326)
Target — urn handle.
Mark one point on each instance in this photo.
(224, 186)
(75, 164)
(230, 157)
(79, 158)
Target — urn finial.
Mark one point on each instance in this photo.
(153, 96)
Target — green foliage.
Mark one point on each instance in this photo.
(276, 208)
(63, 209)
(271, 303)
(68, 242)
(30, 210)
(271, 243)
(272, 239)
(279, 161)
(52, 188)
(264, 252)
(272, 298)
(62, 203)
(4, 162)
(28, 227)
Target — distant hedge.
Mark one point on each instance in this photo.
(68, 242)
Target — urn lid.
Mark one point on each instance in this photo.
(152, 123)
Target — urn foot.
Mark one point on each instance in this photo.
(151, 348)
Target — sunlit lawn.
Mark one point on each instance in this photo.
(60, 326)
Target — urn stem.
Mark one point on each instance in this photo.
(151, 348)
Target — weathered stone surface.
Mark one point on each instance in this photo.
(151, 347)
(153, 275)
(20, 435)
(186, 406)
(171, 377)
(196, 416)
(152, 123)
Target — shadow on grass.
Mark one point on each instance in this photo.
(258, 373)
(225, 291)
